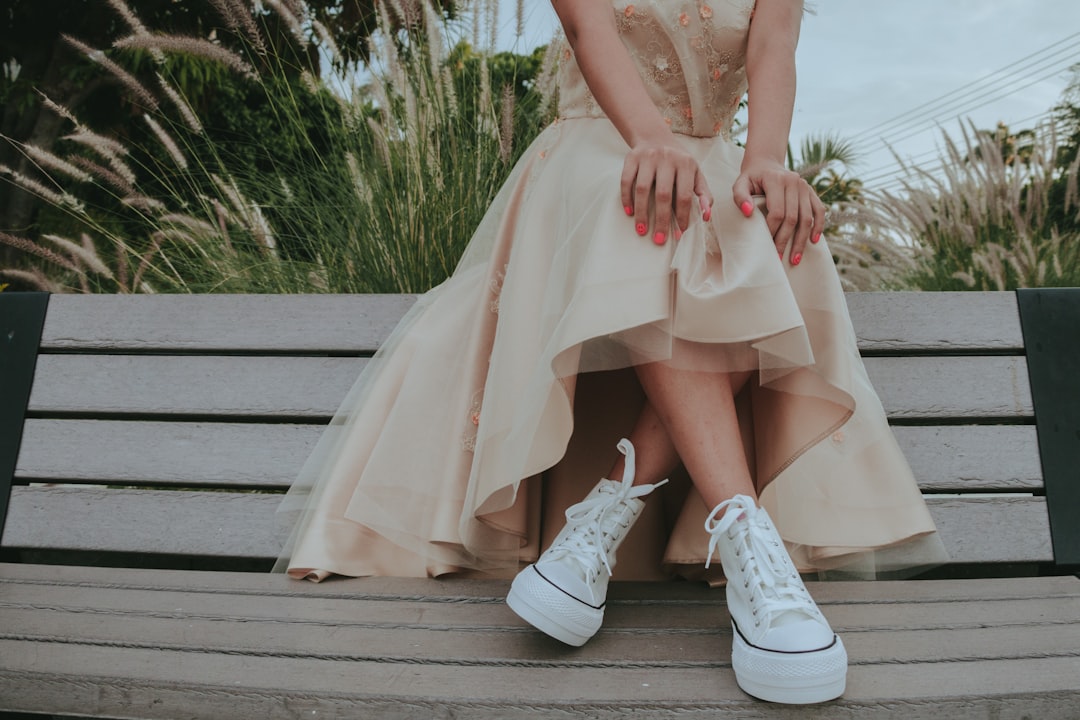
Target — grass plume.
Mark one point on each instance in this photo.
(350, 195)
(986, 221)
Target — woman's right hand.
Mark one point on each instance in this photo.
(657, 166)
(665, 171)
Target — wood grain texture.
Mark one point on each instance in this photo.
(246, 455)
(917, 388)
(884, 322)
(136, 644)
(224, 524)
(936, 322)
(456, 591)
(160, 644)
(635, 609)
(159, 699)
(287, 387)
(694, 638)
(223, 323)
(987, 458)
(297, 387)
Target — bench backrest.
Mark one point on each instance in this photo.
(166, 426)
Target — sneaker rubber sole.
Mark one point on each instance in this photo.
(551, 610)
(793, 678)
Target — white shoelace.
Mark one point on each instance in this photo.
(586, 544)
(779, 588)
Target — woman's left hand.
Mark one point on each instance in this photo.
(795, 213)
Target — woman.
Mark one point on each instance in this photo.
(607, 293)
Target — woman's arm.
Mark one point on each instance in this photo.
(657, 162)
(795, 214)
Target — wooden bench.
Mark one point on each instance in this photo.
(161, 431)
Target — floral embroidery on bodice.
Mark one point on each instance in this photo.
(691, 55)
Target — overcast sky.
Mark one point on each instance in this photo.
(867, 62)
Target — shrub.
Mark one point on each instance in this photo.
(988, 220)
(304, 190)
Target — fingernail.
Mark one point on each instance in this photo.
(707, 215)
(641, 229)
(659, 238)
(629, 210)
(796, 258)
(780, 255)
(678, 234)
(815, 238)
(747, 208)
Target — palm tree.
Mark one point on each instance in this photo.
(1013, 146)
(824, 162)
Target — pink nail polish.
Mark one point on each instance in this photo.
(641, 229)
(815, 238)
(628, 210)
(780, 255)
(747, 208)
(707, 215)
(796, 259)
(659, 238)
(678, 234)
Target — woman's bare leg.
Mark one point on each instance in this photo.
(708, 423)
(656, 457)
(699, 425)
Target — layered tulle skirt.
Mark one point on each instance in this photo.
(499, 398)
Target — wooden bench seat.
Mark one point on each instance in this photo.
(161, 431)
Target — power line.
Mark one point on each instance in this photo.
(987, 97)
(904, 127)
(888, 177)
(922, 109)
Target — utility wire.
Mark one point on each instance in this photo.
(987, 97)
(893, 174)
(951, 96)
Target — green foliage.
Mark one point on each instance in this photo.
(825, 162)
(267, 181)
(992, 219)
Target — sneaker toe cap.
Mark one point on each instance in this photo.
(569, 581)
(799, 636)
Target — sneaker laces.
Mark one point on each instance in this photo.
(778, 584)
(586, 543)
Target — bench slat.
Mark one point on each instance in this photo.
(688, 637)
(287, 387)
(223, 323)
(987, 458)
(463, 591)
(223, 524)
(219, 685)
(949, 458)
(416, 648)
(936, 322)
(633, 609)
(294, 387)
(246, 455)
(884, 322)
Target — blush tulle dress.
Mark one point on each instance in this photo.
(499, 399)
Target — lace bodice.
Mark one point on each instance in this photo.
(691, 55)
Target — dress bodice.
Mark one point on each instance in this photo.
(691, 55)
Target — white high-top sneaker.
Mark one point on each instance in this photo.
(783, 649)
(563, 593)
